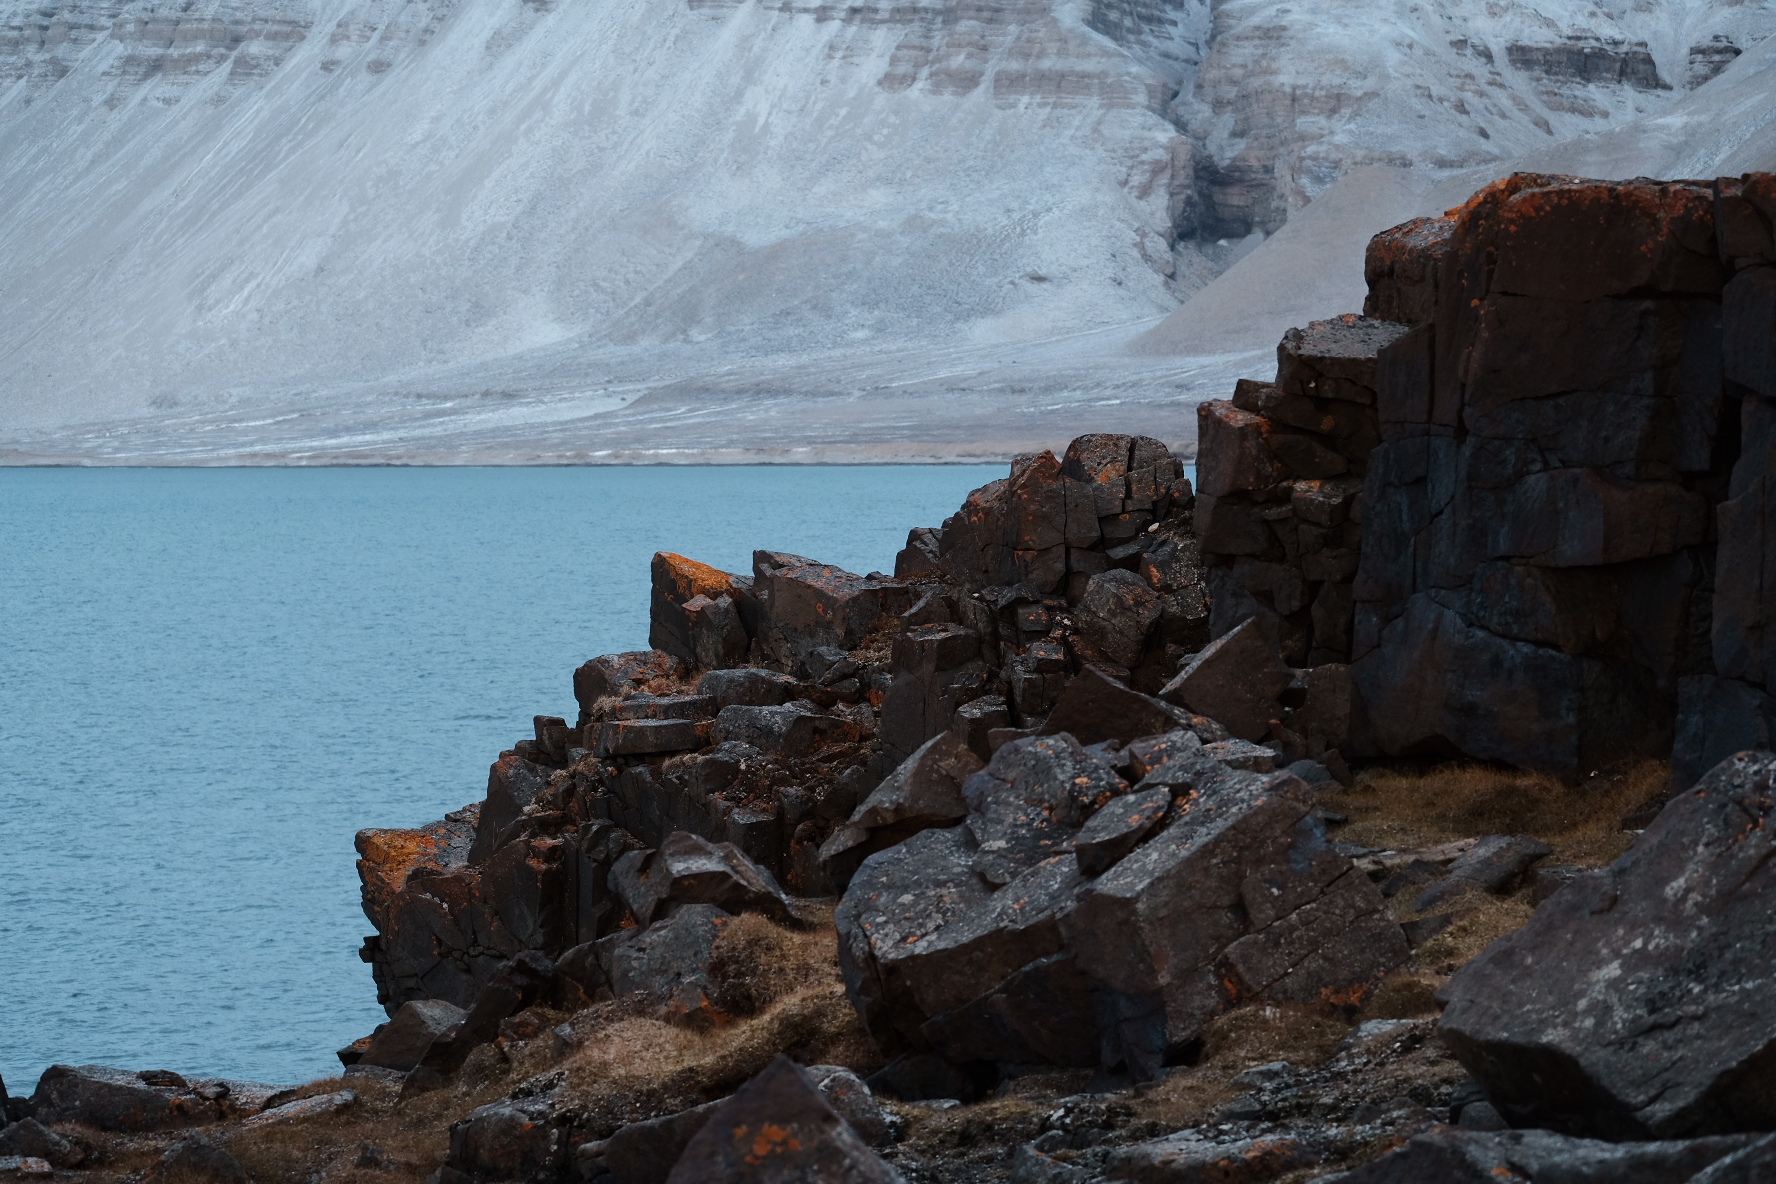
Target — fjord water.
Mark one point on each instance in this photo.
(211, 678)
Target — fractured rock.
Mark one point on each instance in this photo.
(402, 1042)
(778, 1128)
(1119, 827)
(1096, 707)
(789, 729)
(1030, 801)
(1235, 681)
(925, 790)
(615, 675)
(847, 1094)
(1494, 864)
(748, 687)
(1186, 1158)
(302, 1108)
(501, 1141)
(682, 611)
(512, 784)
(30, 1138)
(117, 1099)
(688, 869)
(644, 1152)
(1630, 1004)
(668, 961)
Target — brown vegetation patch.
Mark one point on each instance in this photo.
(1404, 807)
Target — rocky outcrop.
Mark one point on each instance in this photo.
(1072, 922)
(1627, 1007)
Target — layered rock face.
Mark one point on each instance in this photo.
(1538, 546)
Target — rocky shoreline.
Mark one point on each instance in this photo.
(1385, 806)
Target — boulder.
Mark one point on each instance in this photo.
(644, 1152)
(805, 605)
(1494, 864)
(688, 869)
(118, 1099)
(195, 1160)
(502, 1141)
(402, 1042)
(1400, 266)
(528, 978)
(778, 1128)
(1235, 681)
(1542, 1157)
(1630, 1006)
(788, 730)
(647, 737)
(1096, 707)
(748, 687)
(302, 1109)
(668, 961)
(934, 670)
(924, 790)
(1116, 615)
(1030, 801)
(28, 1137)
(847, 1094)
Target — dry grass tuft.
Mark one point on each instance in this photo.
(1481, 921)
(1404, 995)
(1401, 808)
(631, 1066)
(1258, 1034)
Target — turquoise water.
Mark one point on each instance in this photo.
(210, 679)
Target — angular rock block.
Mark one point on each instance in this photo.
(788, 730)
(502, 1141)
(689, 869)
(1119, 827)
(748, 687)
(1235, 681)
(1188, 1157)
(1334, 359)
(805, 605)
(778, 1127)
(402, 1042)
(644, 1152)
(1238, 895)
(1494, 864)
(28, 1138)
(647, 737)
(925, 790)
(935, 670)
(673, 627)
(1233, 451)
(1116, 616)
(118, 1099)
(195, 1160)
(1095, 708)
(668, 961)
(512, 784)
(1630, 1006)
(616, 675)
(1400, 266)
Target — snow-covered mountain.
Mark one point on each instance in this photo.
(514, 228)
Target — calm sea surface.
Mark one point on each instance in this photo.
(210, 679)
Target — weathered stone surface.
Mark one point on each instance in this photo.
(512, 784)
(1095, 707)
(677, 582)
(1400, 266)
(386, 858)
(1630, 1005)
(526, 979)
(935, 669)
(1118, 827)
(644, 1152)
(645, 737)
(805, 605)
(402, 1042)
(1541, 1157)
(195, 1160)
(118, 1099)
(1186, 1158)
(668, 961)
(643, 706)
(925, 790)
(29, 1138)
(748, 687)
(789, 729)
(688, 869)
(1235, 681)
(777, 1127)
(1030, 801)
(1233, 451)
(1718, 717)
(878, 926)
(1748, 1165)
(1116, 616)
(501, 1141)
(851, 1099)
(614, 675)
(317, 1106)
